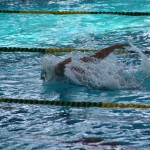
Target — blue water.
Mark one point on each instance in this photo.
(65, 128)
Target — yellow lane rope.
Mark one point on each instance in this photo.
(73, 104)
(42, 50)
(57, 50)
(74, 12)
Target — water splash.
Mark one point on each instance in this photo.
(145, 62)
(101, 74)
(110, 73)
(48, 64)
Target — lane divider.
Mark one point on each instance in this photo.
(42, 50)
(74, 12)
(58, 50)
(73, 104)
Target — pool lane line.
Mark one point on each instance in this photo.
(75, 12)
(74, 104)
(59, 50)
(42, 50)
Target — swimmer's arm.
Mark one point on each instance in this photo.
(106, 51)
(99, 55)
(63, 63)
(68, 60)
(59, 70)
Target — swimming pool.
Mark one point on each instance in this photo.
(55, 127)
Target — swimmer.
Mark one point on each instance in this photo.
(60, 67)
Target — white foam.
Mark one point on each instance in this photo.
(145, 62)
(48, 64)
(101, 74)
(108, 73)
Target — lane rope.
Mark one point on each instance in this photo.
(74, 12)
(58, 50)
(73, 104)
(42, 50)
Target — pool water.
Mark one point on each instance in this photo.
(55, 127)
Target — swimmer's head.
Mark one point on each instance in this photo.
(48, 64)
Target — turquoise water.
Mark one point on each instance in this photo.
(58, 128)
